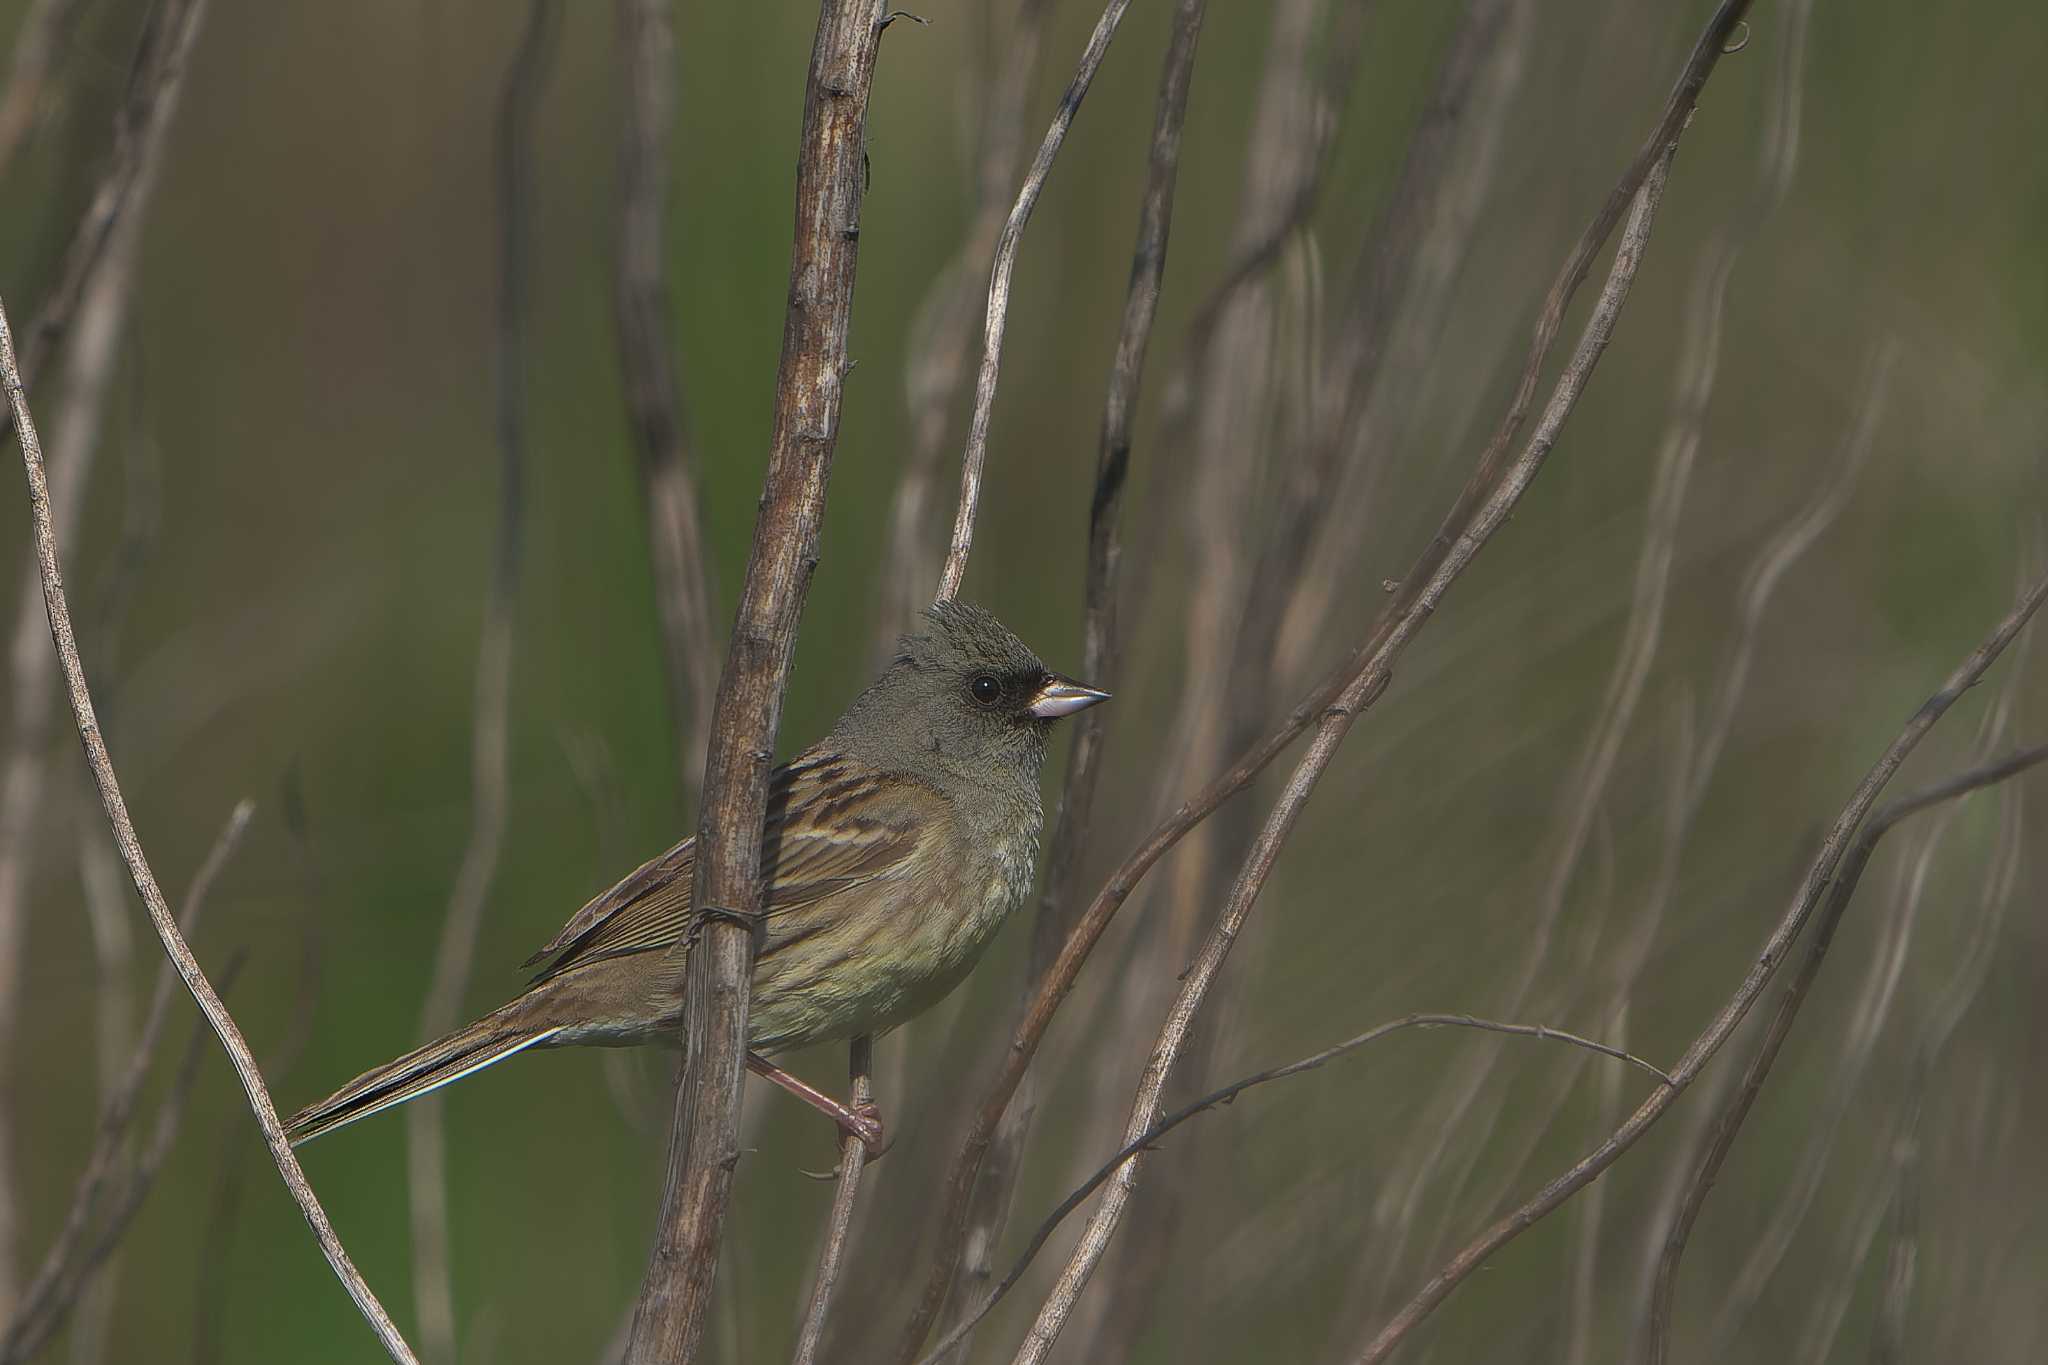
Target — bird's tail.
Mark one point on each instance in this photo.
(490, 1039)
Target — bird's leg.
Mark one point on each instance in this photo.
(862, 1121)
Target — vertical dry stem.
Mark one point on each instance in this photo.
(675, 1296)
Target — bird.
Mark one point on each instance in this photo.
(893, 850)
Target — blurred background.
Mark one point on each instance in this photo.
(1806, 480)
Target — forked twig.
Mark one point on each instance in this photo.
(1822, 872)
(1736, 1109)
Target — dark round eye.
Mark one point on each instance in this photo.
(986, 689)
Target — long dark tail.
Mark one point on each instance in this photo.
(490, 1039)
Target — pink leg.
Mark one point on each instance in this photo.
(864, 1123)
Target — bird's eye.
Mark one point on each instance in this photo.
(986, 690)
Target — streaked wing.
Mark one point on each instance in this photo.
(829, 830)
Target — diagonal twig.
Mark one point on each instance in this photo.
(145, 881)
(1330, 731)
(976, 454)
(1229, 1093)
(1819, 875)
(1736, 1109)
(1399, 619)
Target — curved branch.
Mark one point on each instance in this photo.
(1486, 480)
(1738, 1105)
(999, 295)
(1229, 1093)
(116, 806)
(1818, 877)
(860, 1066)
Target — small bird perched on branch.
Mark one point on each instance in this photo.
(894, 849)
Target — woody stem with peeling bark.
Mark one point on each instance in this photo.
(675, 1297)
(1052, 991)
(999, 296)
(145, 881)
(1825, 865)
(1330, 732)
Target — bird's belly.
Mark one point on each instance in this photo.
(868, 973)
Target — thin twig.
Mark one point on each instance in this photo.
(976, 454)
(96, 283)
(1818, 877)
(32, 1321)
(1146, 1140)
(853, 1154)
(675, 1296)
(649, 366)
(1462, 533)
(116, 806)
(1738, 1105)
(1334, 725)
(1099, 642)
(941, 329)
(425, 1129)
(215, 1248)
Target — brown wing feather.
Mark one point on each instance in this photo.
(825, 834)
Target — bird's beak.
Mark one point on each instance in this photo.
(1059, 696)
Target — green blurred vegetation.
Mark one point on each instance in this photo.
(310, 363)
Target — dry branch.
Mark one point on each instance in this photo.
(860, 1065)
(93, 288)
(1487, 480)
(1737, 1107)
(1822, 872)
(940, 338)
(675, 1295)
(1335, 723)
(993, 323)
(1099, 625)
(1146, 1140)
(116, 807)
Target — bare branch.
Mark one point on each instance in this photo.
(860, 1065)
(1099, 624)
(1336, 722)
(976, 454)
(1738, 1105)
(936, 363)
(1227, 1094)
(95, 285)
(1818, 877)
(425, 1131)
(1464, 530)
(649, 365)
(675, 1296)
(145, 881)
